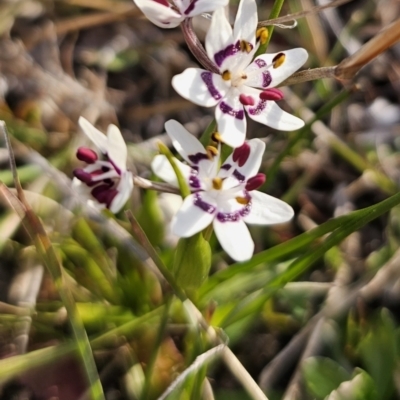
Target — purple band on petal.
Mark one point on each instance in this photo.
(234, 216)
(191, 7)
(207, 79)
(258, 108)
(260, 63)
(196, 158)
(207, 207)
(226, 167)
(238, 176)
(267, 79)
(228, 51)
(118, 171)
(194, 182)
(227, 109)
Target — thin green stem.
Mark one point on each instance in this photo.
(276, 9)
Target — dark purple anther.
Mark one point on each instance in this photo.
(104, 195)
(241, 154)
(255, 182)
(82, 175)
(226, 167)
(271, 94)
(86, 155)
(246, 100)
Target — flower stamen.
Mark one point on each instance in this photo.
(226, 75)
(278, 60)
(262, 35)
(211, 152)
(242, 200)
(245, 46)
(217, 183)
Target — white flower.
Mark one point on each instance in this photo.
(107, 179)
(169, 14)
(224, 196)
(234, 89)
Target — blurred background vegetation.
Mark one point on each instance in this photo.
(314, 315)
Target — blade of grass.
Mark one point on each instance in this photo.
(48, 254)
(358, 219)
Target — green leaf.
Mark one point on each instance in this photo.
(361, 387)
(378, 350)
(192, 262)
(323, 375)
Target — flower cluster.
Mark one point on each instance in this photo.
(237, 82)
(225, 195)
(106, 179)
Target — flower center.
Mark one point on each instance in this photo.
(236, 79)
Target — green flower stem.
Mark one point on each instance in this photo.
(276, 9)
(184, 188)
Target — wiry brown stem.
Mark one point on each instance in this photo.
(196, 47)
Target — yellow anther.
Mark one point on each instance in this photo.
(245, 46)
(217, 183)
(262, 35)
(211, 152)
(226, 75)
(216, 137)
(278, 60)
(242, 200)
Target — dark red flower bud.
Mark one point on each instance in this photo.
(246, 100)
(255, 182)
(241, 154)
(87, 155)
(82, 175)
(271, 94)
(104, 195)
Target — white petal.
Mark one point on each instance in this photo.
(116, 147)
(163, 169)
(219, 37)
(183, 141)
(270, 114)
(192, 218)
(246, 22)
(124, 189)
(267, 210)
(253, 163)
(231, 120)
(203, 6)
(159, 14)
(97, 137)
(199, 86)
(259, 74)
(235, 239)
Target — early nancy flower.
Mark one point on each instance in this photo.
(107, 179)
(242, 83)
(169, 14)
(225, 196)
